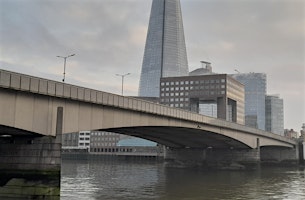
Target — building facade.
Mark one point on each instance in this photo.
(215, 95)
(291, 134)
(255, 92)
(165, 51)
(274, 114)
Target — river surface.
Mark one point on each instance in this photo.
(103, 180)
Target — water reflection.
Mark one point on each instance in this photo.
(127, 180)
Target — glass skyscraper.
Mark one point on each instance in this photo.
(165, 51)
(255, 93)
(274, 114)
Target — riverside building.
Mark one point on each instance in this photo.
(255, 93)
(215, 95)
(274, 114)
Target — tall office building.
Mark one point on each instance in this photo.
(165, 51)
(255, 93)
(274, 114)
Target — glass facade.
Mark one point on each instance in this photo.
(255, 92)
(165, 51)
(274, 115)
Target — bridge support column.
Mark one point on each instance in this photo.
(30, 167)
(279, 156)
(231, 159)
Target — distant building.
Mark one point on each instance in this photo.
(291, 134)
(302, 136)
(108, 143)
(274, 114)
(165, 51)
(215, 95)
(255, 92)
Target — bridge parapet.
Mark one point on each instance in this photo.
(26, 83)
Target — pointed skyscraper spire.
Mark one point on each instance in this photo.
(165, 51)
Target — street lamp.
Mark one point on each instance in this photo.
(65, 58)
(123, 75)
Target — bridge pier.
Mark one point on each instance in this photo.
(210, 158)
(273, 155)
(30, 166)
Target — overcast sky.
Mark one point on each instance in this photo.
(108, 38)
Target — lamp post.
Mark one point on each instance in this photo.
(65, 58)
(123, 75)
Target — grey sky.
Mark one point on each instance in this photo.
(108, 37)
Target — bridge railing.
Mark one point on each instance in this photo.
(22, 82)
(43, 86)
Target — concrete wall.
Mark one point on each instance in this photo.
(30, 166)
(279, 155)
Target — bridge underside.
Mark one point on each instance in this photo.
(175, 137)
(6, 131)
(178, 137)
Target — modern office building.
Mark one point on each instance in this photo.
(215, 95)
(274, 114)
(255, 93)
(165, 51)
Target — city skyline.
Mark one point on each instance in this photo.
(108, 37)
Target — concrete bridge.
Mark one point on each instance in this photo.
(31, 107)
(28, 106)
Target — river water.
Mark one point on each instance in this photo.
(103, 180)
